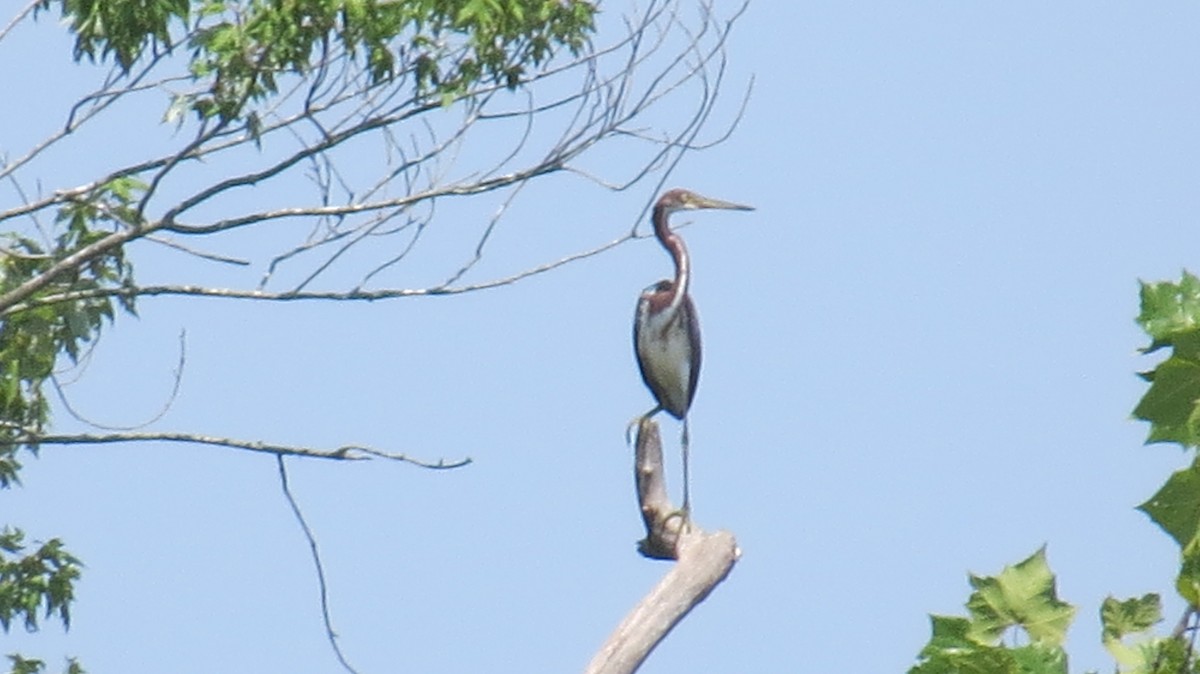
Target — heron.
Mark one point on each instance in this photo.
(666, 330)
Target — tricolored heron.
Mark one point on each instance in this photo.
(666, 330)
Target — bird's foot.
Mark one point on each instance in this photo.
(632, 428)
(684, 515)
(637, 422)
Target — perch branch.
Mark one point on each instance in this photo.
(703, 561)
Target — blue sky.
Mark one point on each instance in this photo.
(919, 362)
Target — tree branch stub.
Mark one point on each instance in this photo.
(703, 560)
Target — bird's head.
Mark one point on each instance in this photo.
(684, 200)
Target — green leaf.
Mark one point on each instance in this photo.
(1167, 656)
(991, 661)
(949, 632)
(1170, 405)
(1020, 596)
(1188, 581)
(975, 660)
(1169, 308)
(1175, 508)
(1133, 616)
(1040, 659)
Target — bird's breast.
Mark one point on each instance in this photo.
(664, 349)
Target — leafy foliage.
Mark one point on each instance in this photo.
(120, 29)
(60, 289)
(1170, 309)
(1132, 617)
(1170, 314)
(22, 665)
(241, 47)
(42, 578)
(953, 649)
(32, 338)
(1176, 505)
(1122, 618)
(1021, 597)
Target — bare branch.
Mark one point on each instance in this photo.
(85, 110)
(343, 453)
(479, 187)
(162, 412)
(664, 522)
(383, 159)
(485, 237)
(293, 296)
(72, 261)
(21, 15)
(703, 561)
(215, 257)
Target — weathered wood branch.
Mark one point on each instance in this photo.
(343, 453)
(703, 560)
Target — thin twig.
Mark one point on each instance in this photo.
(204, 255)
(162, 412)
(25, 11)
(322, 586)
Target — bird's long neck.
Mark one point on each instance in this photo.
(674, 245)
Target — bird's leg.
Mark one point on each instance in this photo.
(687, 497)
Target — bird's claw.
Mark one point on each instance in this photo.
(685, 515)
(636, 422)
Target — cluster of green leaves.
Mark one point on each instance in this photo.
(1176, 509)
(33, 582)
(1022, 597)
(22, 665)
(240, 47)
(33, 336)
(121, 29)
(1021, 601)
(505, 38)
(1170, 315)
(1126, 634)
(28, 582)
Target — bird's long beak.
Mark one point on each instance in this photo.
(705, 202)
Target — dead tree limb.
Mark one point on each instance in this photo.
(703, 560)
(344, 453)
